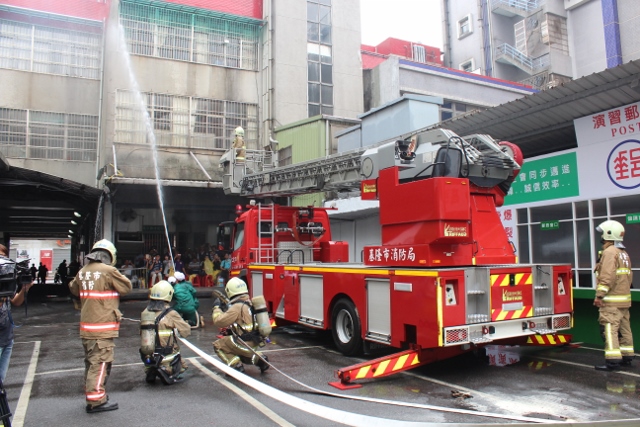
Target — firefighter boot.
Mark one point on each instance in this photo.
(263, 364)
(627, 361)
(608, 366)
(107, 406)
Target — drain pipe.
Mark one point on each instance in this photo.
(200, 164)
(115, 161)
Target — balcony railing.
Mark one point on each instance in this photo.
(516, 5)
(508, 54)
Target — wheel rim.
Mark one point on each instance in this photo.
(344, 326)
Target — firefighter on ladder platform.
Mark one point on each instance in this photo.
(613, 297)
(99, 285)
(238, 144)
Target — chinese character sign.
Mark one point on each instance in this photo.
(548, 178)
(623, 164)
(622, 122)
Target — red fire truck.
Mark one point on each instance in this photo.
(443, 280)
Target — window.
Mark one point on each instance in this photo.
(576, 240)
(465, 26)
(47, 135)
(450, 109)
(238, 239)
(160, 31)
(319, 58)
(49, 50)
(469, 66)
(182, 121)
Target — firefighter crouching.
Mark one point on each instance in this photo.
(99, 285)
(240, 321)
(159, 347)
(613, 297)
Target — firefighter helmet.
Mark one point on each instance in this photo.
(611, 230)
(236, 286)
(107, 246)
(239, 131)
(162, 291)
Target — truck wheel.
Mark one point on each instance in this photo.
(346, 329)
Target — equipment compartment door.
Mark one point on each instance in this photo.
(378, 310)
(311, 300)
(257, 284)
(511, 294)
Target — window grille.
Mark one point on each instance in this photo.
(48, 135)
(181, 121)
(49, 50)
(419, 53)
(186, 36)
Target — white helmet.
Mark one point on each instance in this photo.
(162, 291)
(179, 276)
(236, 286)
(106, 246)
(172, 280)
(611, 230)
(239, 131)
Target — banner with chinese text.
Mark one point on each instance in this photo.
(548, 178)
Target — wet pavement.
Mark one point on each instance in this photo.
(45, 381)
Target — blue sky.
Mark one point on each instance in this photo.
(411, 20)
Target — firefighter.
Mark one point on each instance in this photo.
(159, 348)
(243, 336)
(613, 297)
(99, 285)
(238, 144)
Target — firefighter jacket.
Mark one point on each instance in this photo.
(614, 275)
(99, 287)
(238, 316)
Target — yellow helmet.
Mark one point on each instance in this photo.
(236, 286)
(106, 246)
(611, 230)
(239, 131)
(162, 291)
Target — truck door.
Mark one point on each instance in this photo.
(239, 256)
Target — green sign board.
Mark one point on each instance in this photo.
(550, 178)
(549, 225)
(633, 218)
(152, 228)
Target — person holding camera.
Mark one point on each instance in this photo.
(6, 321)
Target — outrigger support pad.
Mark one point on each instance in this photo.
(381, 367)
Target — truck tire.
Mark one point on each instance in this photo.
(346, 329)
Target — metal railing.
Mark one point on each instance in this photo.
(524, 5)
(531, 65)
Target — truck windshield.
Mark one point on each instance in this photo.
(239, 236)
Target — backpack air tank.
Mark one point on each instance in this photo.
(262, 315)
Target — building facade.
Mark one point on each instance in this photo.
(539, 42)
(123, 94)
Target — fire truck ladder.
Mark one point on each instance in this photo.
(338, 172)
(266, 228)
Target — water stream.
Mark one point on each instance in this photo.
(148, 123)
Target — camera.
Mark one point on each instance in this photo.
(13, 275)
